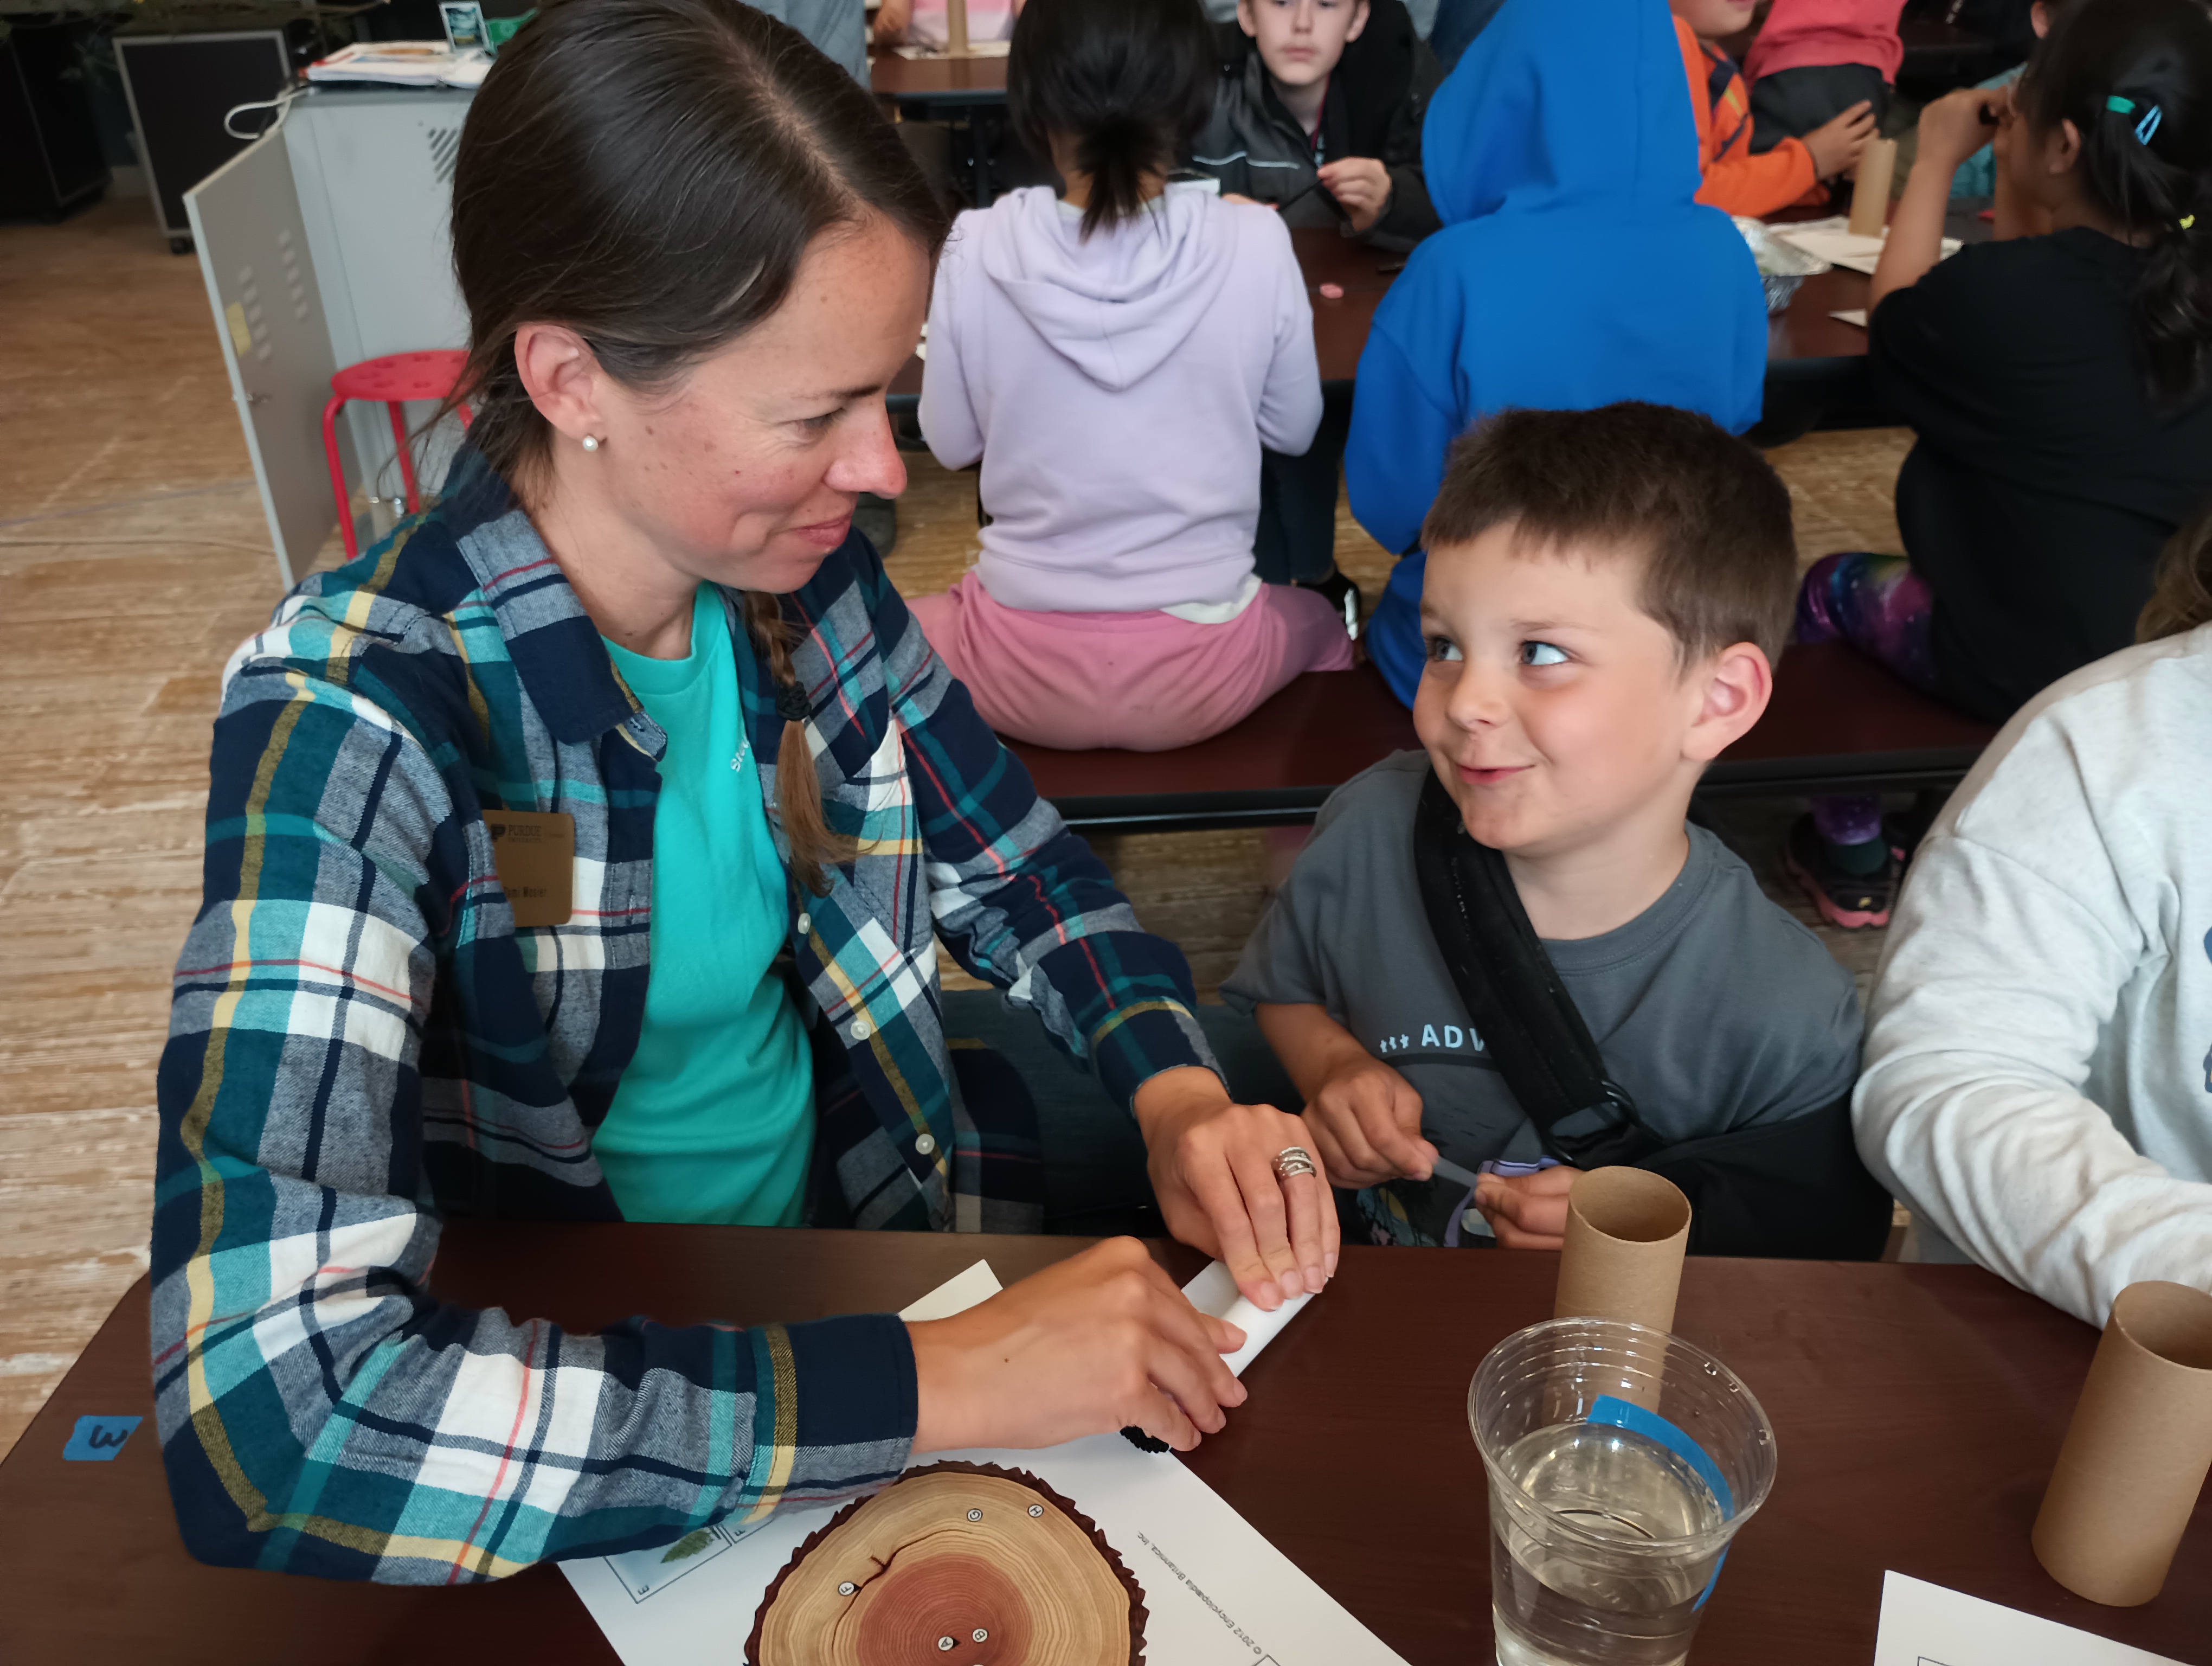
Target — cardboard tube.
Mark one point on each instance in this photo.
(1626, 1231)
(2137, 1452)
(955, 28)
(1870, 188)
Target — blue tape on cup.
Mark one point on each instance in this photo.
(98, 1440)
(1623, 1414)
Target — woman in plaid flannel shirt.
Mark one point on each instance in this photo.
(694, 257)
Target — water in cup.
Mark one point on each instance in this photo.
(1553, 1606)
(1622, 1461)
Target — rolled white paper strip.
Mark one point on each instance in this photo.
(1214, 1292)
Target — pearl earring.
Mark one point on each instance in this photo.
(591, 442)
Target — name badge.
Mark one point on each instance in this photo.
(535, 852)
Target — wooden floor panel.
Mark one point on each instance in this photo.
(133, 559)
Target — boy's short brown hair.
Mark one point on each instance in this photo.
(1709, 516)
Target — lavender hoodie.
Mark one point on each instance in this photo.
(1118, 392)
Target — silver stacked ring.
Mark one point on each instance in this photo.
(1292, 1161)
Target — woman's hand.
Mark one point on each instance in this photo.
(1528, 1211)
(1097, 1343)
(1837, 144)
(892, 17)
(1212, 1164)
(1366, 1123)
(1361, 186)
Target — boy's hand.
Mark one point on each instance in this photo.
(1213, 1164)
(892, 17)
(1361, 186)
(1366, 1123)
(1528, 1211)
(1836, 144)
(1958, 124)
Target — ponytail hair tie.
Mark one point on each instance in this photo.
(2186, 221)
(2147, 126)
(791, 703)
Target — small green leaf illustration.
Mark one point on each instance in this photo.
(690, 1544)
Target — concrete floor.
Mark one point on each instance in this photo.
(133, 558)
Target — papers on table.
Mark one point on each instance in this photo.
(1851, 315)
(975, 49)
(403, 63)
(1214, 1590)
(1830, 240)
(1925, 1625)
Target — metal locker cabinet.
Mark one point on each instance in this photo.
(374, 168)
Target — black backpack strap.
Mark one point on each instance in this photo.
(1528, 1023)
(1792, 1189)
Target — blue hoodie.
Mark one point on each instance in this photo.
(1575, 269)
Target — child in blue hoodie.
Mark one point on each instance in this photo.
(1575, 269)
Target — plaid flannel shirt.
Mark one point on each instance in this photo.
(361, 1042)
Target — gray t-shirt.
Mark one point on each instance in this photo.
(1714, 1009)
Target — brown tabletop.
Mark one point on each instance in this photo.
(1806, 330)
(949, 81)
(1805, 347)
(1917, 1412)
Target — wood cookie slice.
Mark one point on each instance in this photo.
(957, 1564)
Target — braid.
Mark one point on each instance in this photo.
(2135, 78)
(797, 787)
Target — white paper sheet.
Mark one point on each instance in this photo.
(1851, 315)
(1830, 240)
(1216, 1593)
(1925, 1625)
(975, 49)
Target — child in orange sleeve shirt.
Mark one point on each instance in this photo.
(1736, 180)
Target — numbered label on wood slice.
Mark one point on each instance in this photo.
(957, 1564)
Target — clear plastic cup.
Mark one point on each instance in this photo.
(1622, 1460)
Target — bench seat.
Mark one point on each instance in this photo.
(1837, 723)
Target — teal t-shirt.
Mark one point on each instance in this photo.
(714, 1121)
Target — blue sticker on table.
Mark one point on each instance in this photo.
(97, 1439)
(1623, 1414)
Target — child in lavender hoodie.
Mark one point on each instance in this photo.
(1117, 357)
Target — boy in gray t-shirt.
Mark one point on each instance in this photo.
(1606, 593)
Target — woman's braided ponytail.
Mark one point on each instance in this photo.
(814, 848)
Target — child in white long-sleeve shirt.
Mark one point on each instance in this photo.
(2037, 1086)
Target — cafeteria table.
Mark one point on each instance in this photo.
(1815, 364)
(1917, 1411)
(970, 91)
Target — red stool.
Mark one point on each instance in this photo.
(392, 381)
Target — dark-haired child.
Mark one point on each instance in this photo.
(2058, 387)
(1656, 552)
(1116, 358)
(1318, 110)
(1977, 175)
